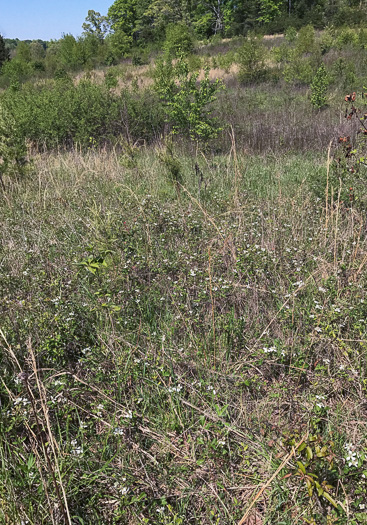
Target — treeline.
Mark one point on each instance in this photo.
(147, 20)
(136, 28)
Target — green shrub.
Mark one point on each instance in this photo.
(326, 41)
(362, 38)
(306, 39)
(62, 74)
(319, 87)
(226, 60)
(110, 79)
(13, 149)
(290, 34)
(187, 102)
(344, 73)
(61, 114)
(251, 59)
(179, 40)
(299, 70)
(347, 37)
(15, 71)
(140, 57)
(194, 62)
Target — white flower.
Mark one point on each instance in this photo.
(21, 400)
(76, 451)
(177, 388)
(118, 431)
(321, 289)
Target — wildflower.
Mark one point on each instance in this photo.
(352, 457)
(118, 431)
(76, 450)
(21, 400)
(177, 388)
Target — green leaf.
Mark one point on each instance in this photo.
(330, 499)
(309, 487)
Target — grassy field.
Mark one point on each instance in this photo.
(181, 353)
(183, 329)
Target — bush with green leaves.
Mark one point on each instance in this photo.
(14, 72)
(347, 37)
(299, 70)
(13, 151)
(305, 42)
(290, 34)
(343, 73)
(179, 40)
(251, 58)
(61, 114)
(319, 88)
(187, 102)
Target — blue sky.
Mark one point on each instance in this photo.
(46, 19)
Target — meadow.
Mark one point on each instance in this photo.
(183, 328)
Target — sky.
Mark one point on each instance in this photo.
(46, 19)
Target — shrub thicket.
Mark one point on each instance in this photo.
(62, 114)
